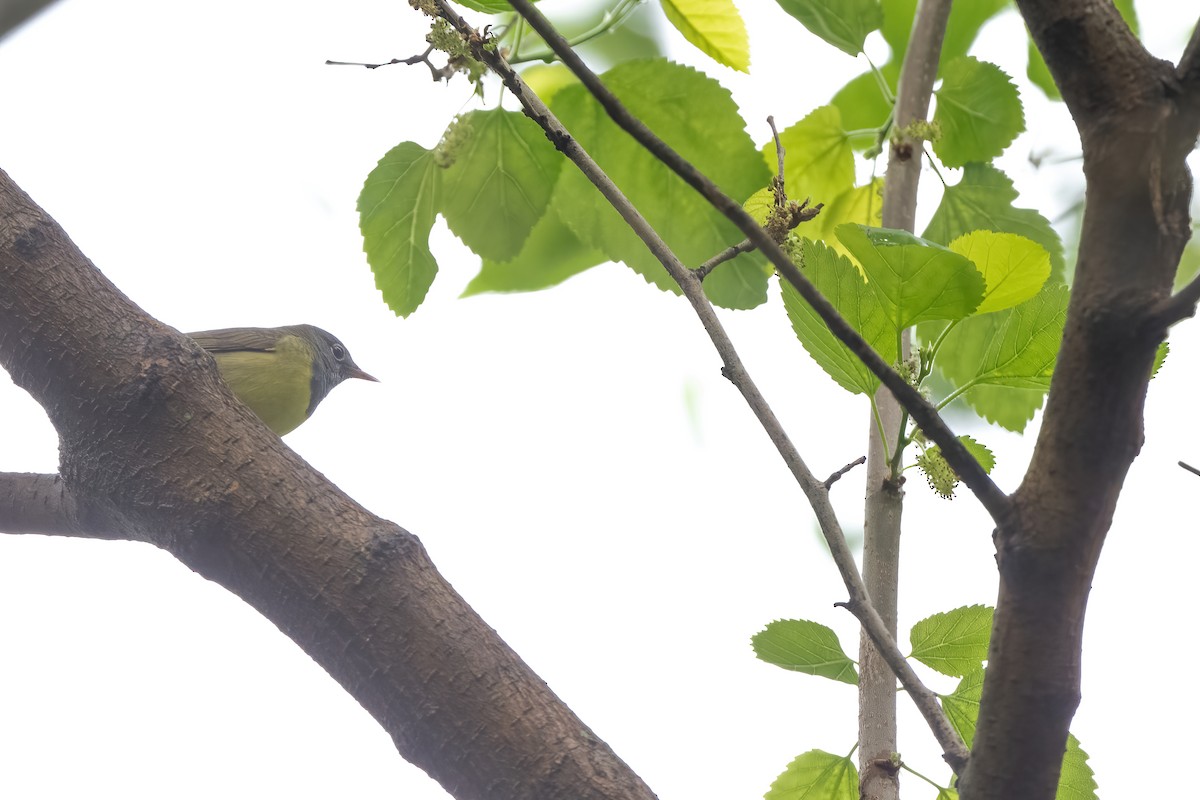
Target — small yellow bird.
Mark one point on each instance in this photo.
(282, 374)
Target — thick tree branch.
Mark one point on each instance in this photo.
(34, 503)
(924, 414)
(153, 444)
(814, 489)
(1135, 137)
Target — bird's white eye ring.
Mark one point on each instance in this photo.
(339, 352)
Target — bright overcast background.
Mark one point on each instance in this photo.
(573, 459)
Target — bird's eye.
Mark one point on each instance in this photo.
(339, 352)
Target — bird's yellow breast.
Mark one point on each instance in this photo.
(276, 385)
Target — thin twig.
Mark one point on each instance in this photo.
(960, 459)
(815, 491)
(832, 479)
(1190, 468)
(733, 251)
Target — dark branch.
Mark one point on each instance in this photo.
(1190, 468)
(1178, 306)
(925, 415)
(832, 479)
(36, 503)
(1188, 68)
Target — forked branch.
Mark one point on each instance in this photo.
(815, 490)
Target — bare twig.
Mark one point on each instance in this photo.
(832, 479)
(814, 490)
(733, 251)
(1190, 468)
(925, 415)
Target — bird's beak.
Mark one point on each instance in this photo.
(355, 372)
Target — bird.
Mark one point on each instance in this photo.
(283, 373)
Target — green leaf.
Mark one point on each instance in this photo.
(547, 79)
(842, 283)
(863, 104)
(551, 255)
(843, 23)
(962, 28)
(983, 200)
(714, 27)
(1039, 74)
(861, 204)
(913, 279)
(1013, 267)
(816, 775)
(760, 204)
(818, 162)
(978, 111)
(962, 705)
(803, 646)
(499, 183)
(697, 117)
(397, 207)
(1160, 357)
(1004, 360)
(945, 793)
(953, 642)
(980, 452)
(1077, 781)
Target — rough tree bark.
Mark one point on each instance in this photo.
(1137, 119)
(154, 448)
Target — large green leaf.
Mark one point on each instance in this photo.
(1004, 360)
(962, 705)
(983, 200)
(842, 284)
(818, 162)
(861, 204)
(978, 111)
(843, 23)
(803, 646)
(697, 117)
(914, 279)
(966, 18)
(499, 181)
(1013, 267)
(397, 207)
(714, 27)
(551, 254)
(816, 775)
(953, 642)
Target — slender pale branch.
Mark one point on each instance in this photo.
(925, 415)
(815, 490)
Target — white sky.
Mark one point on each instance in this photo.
(540, 445)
